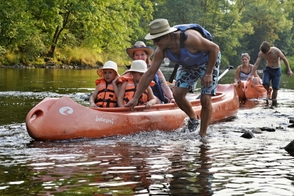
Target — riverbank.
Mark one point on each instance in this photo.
(51, 66)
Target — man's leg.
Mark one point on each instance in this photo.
(267, 88)
(274, 94)
(182, 102)
(266, 81)
(276, 79)
(206, 112)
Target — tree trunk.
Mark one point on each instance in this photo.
(56, 36)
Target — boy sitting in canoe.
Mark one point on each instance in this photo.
(130, 81)
(105, 94)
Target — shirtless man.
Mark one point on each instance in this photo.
(272, 71)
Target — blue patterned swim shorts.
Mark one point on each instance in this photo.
(188, 76)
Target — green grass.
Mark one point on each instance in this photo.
(70, 56)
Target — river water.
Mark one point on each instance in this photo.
(153, 163)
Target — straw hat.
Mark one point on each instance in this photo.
(139, 45)
(138, 66)
(158, 28)
(108, 65)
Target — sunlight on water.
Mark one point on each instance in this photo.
(149, 163)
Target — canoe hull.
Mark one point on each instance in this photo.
(62, 118)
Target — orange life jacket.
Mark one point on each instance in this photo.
(105, 97)
(131, 89)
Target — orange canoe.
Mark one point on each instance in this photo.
(62, 118)
(247, 90)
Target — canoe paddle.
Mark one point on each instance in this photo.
(226, 71)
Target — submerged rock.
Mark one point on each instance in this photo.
(290, 148)
(247, 135)
(291, 126)
(268, 129)
(291, 120)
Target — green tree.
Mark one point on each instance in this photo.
(221, 18)
(105, 26)
(270, 23)
(18, 31)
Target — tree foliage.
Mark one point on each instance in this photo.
(39, 28)
(106, 26)
(237, 25)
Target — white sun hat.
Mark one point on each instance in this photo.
(138, 66)
(108, 65)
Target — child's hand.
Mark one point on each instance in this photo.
(114, 81)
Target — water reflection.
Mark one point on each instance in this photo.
(152, 163)
(121, 168)
(196, 178)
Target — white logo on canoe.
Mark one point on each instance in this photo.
(66, 110)
(100, 119)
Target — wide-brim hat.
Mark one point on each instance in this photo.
(138, 66)
(139, 45)
(158, 28)
(108, 65)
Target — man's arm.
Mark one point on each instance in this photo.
(286, 62)
(256, 64)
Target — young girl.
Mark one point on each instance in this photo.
(130, 81)
(105, 94)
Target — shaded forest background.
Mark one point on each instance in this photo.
(89, 32)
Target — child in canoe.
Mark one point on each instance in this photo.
(130, 80)
(105, 94)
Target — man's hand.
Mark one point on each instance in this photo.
(132, 103)
(290, 73)
(206, 80)
(148, 104)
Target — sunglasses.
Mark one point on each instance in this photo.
(158, 39)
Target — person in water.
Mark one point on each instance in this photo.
(272, 71)
(105, 94)
(245, 69)
(128, 88)
(199, 58)
(161, 90)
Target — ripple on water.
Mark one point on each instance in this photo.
(158, 163)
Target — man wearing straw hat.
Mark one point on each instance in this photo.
(198, 57)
